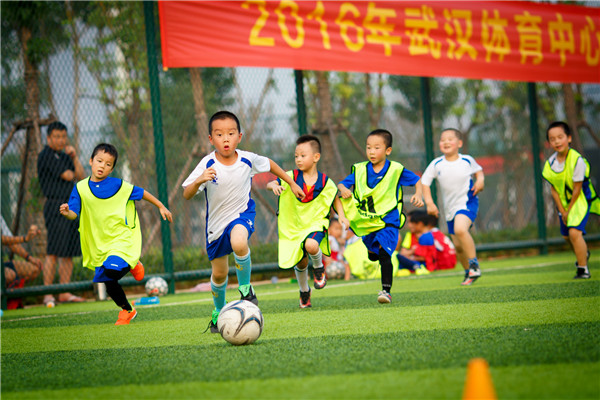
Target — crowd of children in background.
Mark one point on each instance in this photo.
(352, 228)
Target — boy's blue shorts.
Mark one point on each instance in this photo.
(472, 215)
(222, 246)
(386, 238)
(564, 230)
(115, 263)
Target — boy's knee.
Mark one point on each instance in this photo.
(575, 233)
(218, 277)
(311, 246)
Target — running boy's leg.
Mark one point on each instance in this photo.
(464, 241)
(316, 257)
(581, 252)
(115, 291)
(301, 271)
(241, 253)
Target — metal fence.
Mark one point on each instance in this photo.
(97, 82)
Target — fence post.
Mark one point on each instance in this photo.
(537, 165)
(300, 104)
(427, 127)
(159, 146)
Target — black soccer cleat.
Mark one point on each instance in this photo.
(247, 293)
(305, 299)
(320, 278)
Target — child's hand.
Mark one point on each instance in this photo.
(417, 200)
(432, 209)
(345, 192)
(165, 214)
(297, 191)
(477, 187)
(278, 189)
(209, 174)
(64, 209)
(344, 221)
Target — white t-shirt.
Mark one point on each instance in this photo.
(455, 179)
(5, 229)
(558, 167)
(228, 195)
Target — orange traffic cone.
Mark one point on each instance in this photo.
(478, 385)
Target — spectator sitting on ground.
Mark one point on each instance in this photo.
(337, 244)
(430, 249)
(17, 272)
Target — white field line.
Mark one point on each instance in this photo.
(360, 282)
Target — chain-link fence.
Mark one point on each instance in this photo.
(93, 77)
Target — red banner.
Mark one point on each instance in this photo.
(517, 41)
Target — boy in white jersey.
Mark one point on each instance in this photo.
(454, 173)
(574, 196)
(225, 177)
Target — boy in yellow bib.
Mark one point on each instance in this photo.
(374, 206)
(303, 223)
(569, 176)
(109, 227)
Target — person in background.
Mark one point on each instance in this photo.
(303, 226)
(374, 205)
(58, 171)
(568, 173)
(454, 173)
(17, 272)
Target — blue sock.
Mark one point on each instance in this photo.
(473, 262)
(243, 268)
(218, 292)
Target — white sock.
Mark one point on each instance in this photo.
(316, 259)
(585, 268)
(302, 276)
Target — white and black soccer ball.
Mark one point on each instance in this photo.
(240, 322)
(156, 286)
(335, 270)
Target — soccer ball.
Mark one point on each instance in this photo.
(335, 270)
(156, 286)
(240, 322)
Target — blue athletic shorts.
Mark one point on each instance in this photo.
(387, 238)
(222, 246)
(472, 215)
(115, 263)
(564, 230)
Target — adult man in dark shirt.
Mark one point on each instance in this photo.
(58, 170)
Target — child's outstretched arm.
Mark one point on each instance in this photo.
(275, 187)
(431, 207)
(65, 212)
(164, 212)
(479, 182)
(280, 173)
(339, 209)
(417, 198)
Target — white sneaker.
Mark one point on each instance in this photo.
(384, 297)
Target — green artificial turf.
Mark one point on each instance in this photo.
(537, 328)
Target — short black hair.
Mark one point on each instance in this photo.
(223, 115)
(108, 149)
(314, 141)
(559, 124)
(432, 221)
(459, 135)
(55, 126)
(384, 134)
(419, 216)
